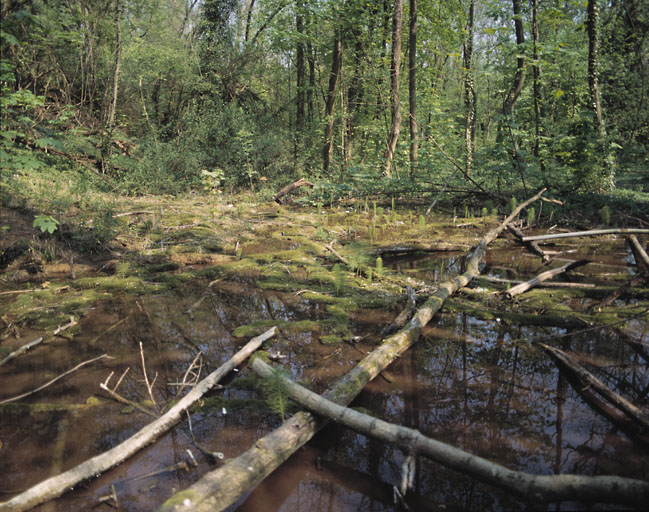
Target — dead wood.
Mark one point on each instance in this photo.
(404, 315)
(54, 380)
(640, 255)
(414, 248)
(532, 246)
(568, 362)
(336, 254)
(594, 232)
(55, 486)
(617, 293)
(37, 341)
(534, 488)
(290, 188)
(126, 214)
(223, 486)
(498, 280)
(543, 276)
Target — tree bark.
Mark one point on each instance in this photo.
(519, 78)
(395, 68)
(336, 63)
(618, 401)
(412, 86)
(225, 485)
(593, 50)
(534, 488)
(640, 255)
(533, 246)
(536, 72)
(543, 276)
(469, 94)
(595, 232)
(299, 66)
(118, 60)
(55, 486)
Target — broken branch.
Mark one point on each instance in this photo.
(543, 276)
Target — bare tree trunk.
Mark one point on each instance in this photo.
(336, 63)
(469, 94)
(248, 18)
(593, 49)
(299, 24)
(544, 488)
(395, 66)
(519, 79)
(118, 60)
(536, 71)
(412, 85)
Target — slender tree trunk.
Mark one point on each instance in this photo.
(118, 59)
(248, 18)
(309, 93)
(395, 65)
(336, 62)
(412, 85)
(299, 65)
(519, 79)
(536, 71)
(469, 94)
(593, 49)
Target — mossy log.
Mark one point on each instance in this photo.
(534, 488)
(57, 485)
(223, 486)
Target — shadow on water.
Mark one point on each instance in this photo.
(478, 385)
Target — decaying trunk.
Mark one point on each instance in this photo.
(220, 488)
(543, 276)
(290, 188)
(57, 485)
(532, 246)
(534, 488)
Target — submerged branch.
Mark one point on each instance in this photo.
(535, 488)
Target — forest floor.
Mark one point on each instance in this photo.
(200, 274)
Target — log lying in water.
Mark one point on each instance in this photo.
(533, 246)
(618, 401)
(223, 486)
(57, 485)
(543, 276)
(640, 255)
(594, 232)
(535, 488)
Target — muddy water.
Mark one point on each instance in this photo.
(475, 384)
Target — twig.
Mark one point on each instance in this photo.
(594, 232)
(47, 384)
(120, 398)
(117, 215)
(21, 350)
(336, 254)
(195, 376)
(146, 378)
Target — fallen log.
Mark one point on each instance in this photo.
(617, 293)
(543, 276)
(498, 280)
(223, 486)
(532, 246)
(594, 232)
(57, 485)
(640, 255)
(290, 188)
(534, 488)
(567, 361)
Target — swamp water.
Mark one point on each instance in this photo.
(474, 383)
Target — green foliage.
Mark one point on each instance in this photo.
(422, 221)
(339, 279)
(530, 216)
(605, 215)
(46, 223)
(513, 204)
(379, 265)
(276, 391)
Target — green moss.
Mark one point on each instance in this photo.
(111, 284)
(253, 329)
(330, 339)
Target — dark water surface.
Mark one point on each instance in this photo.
(478, 385)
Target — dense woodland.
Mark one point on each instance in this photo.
(361, 97)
